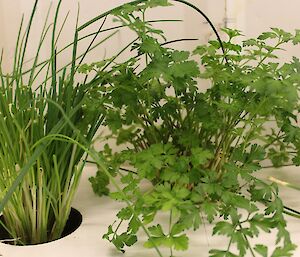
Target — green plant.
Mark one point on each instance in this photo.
(200, 149)
(39, 207)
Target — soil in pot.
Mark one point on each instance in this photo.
(73, 222)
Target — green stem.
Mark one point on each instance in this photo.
(246, 238)
(267, 55)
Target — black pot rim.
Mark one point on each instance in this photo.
(73, 223)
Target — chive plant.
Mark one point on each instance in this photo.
(39, 207)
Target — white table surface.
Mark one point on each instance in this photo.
(98, 213)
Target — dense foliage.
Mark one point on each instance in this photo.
(200, 149)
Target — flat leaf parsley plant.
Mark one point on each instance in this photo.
(199, 149)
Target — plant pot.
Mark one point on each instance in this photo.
(73, 222)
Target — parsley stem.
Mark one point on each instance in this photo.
(116, 230)
(269, 52)
(246, 238)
